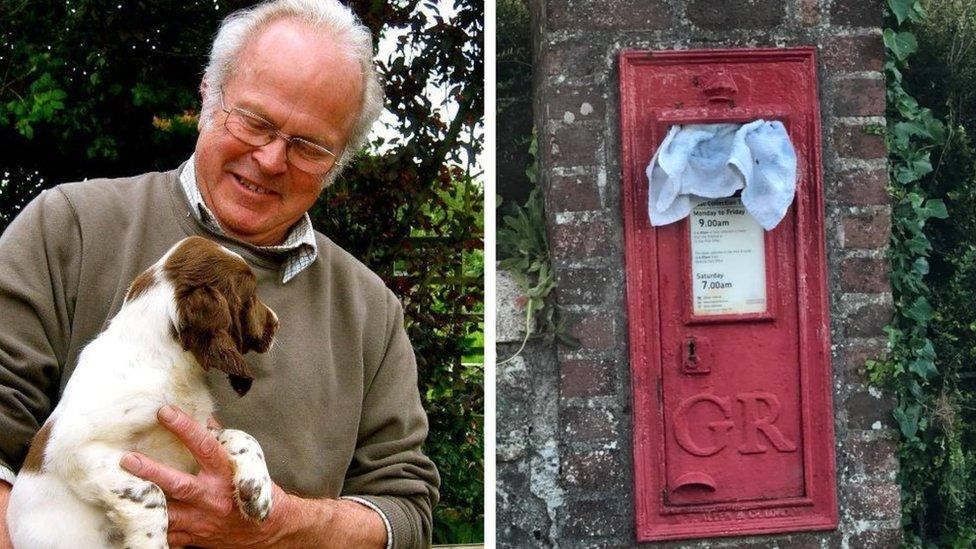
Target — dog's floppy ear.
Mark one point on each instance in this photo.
(204, 324)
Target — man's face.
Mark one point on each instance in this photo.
(307, 87)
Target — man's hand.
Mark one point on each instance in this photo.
(202, 510)
(5, 542)
(203, 513)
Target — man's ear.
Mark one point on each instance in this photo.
(203, 94)
(204, 324)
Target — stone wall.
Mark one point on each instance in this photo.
(565, 469)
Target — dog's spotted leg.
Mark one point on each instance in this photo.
(252, 484)
(136, 509)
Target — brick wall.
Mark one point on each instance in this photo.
(583, 457)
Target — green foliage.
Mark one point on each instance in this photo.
(91, 88)
(901, 44)
(906, 10)
(513, 52)
(523, 251)
(436, 266)
(933, 258)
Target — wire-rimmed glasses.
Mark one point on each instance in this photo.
(254, 130)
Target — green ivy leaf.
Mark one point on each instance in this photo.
(25, 129)
(901, 44)
(907, 419)
(918, 12)
(922, 167)
(934, 207)
(918, 244)
(921, 266)
(924, 367)
(915, 388)
(905, 130)
(907, 174)
(901, 9)
(920, 311)
(927, 350)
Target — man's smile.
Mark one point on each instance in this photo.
(251, 186)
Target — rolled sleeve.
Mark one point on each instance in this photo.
(7, 474)
(374, 507)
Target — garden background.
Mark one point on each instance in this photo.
(92, 88)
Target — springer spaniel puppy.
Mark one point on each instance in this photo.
(194, 310)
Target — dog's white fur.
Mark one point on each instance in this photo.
(81, 497)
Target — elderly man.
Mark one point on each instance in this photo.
(288, 96)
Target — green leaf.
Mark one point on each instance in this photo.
(927, 350)
(907, 174)
(25, 129)
(934, 207)
(905, 130)
(918, 12)
(920, 311)
(924, 367)
(921, 266)
(900, 8)
(918, 244)
(922, 167)
(907, 419)
(901, 44)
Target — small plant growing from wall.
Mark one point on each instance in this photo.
(523, 251)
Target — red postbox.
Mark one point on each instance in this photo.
(728, 323)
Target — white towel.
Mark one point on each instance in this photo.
(699, 162)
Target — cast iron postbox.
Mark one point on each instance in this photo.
(729, 333)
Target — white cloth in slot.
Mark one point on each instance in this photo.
(699, 162)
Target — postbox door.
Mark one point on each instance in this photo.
(731, 398)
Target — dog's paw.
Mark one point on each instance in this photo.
(252, 484)
(142, 493)
(253, 497)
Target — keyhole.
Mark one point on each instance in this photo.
(690, 363)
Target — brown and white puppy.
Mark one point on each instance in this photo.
(194, 310)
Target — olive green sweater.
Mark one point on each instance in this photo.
(334, 404)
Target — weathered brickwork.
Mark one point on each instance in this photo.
(580, 478)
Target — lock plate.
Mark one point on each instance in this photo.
(696, 355)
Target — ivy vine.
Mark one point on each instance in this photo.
(912, 370)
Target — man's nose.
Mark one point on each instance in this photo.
(273, 157)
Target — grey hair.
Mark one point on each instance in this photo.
(327, 16)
